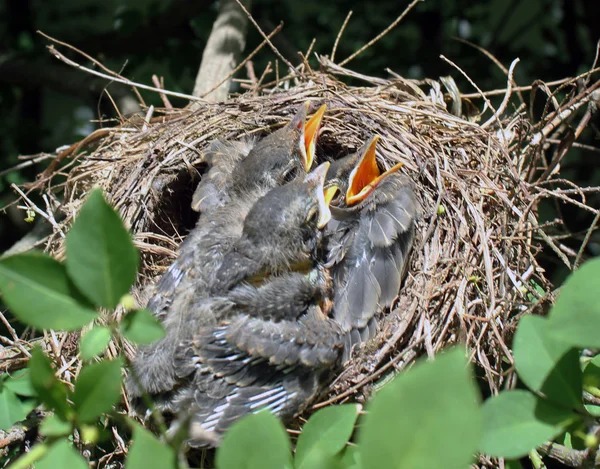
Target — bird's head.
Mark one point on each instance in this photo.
(284, 155)
(356, 175)
(289, 216)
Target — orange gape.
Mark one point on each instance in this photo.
(365, 177)
(311, 130)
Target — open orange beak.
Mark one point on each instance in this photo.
(317, 180)
(310, 132)
(366, 175)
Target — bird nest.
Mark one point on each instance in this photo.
(472, 270)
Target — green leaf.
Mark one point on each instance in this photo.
(101, 259)
(97, 389)
(38, 292)
(62, 454)
(94, 342)
(515, 422)
(591, 376)
(350, 458)
(547, 365)
(142, 327)
(19, 383)
(575, 317)
(53, 425)
(258, 441)
(325, 434)
(12, 409)
(427, 417)
(146, 452)
(513, 465)
(49, 389)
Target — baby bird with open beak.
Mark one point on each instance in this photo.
(275, 356)
(225, 196)
(237, 168)
(368, 240)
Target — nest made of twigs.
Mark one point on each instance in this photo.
(473, 255)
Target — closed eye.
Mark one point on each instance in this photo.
(291, 174)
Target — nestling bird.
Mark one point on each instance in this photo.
(368, 240)
(237, 168)
(274, 356)
(240, 175)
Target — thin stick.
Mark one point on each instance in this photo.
(124, 81)
(487, 101)
(94, 61)
(262, 33)
(164, 99)
(337, 39)
(561, 152)
(38, 210)
(506, 99)
(529, 87)
(243, 62)
(385, 31)
(494, 60)
(25, 164)
(586, 240)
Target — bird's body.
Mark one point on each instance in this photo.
(368, 241)
(240, 174)
(273, 342)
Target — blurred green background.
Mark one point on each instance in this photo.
(46, 104)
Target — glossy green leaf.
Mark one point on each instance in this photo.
(12, 409)
(515, 422)
(94, 342)
(97, 389)
(101, 258)
(547, 365)
(427, 417)
(49, 389)
(38, 291)
(63, 455)
(147, 452)
(257, 441)
(52, 425)
(142, 327)
(575, 317)
(325, 434)
(19, 383)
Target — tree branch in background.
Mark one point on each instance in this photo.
(222, 52)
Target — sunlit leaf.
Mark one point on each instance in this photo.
(52, 425)
(12, 409)
(147, 451)
(49, 389)
(547, 365)
(325, 434)
(94, 342)
(62, 454)
(97, 389)
(575, 317)
(101, 258)
(19, 383)
(427, 417)
(38, 291)
(515, 422)
(141, 327)
(257, 441)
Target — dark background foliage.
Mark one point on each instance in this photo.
(45, 104)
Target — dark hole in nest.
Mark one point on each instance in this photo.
(173, 215)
